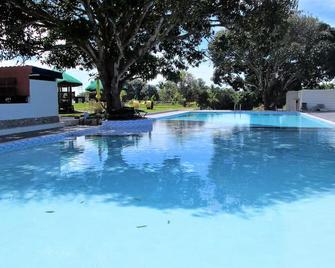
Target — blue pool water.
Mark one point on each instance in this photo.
(255, 119)
(188, 194)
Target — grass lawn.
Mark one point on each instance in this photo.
(87, 107)
(166, 107)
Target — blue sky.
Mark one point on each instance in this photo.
(323, 9)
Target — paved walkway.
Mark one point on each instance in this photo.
(325, 115)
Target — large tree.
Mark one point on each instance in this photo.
(122, 39)
(272, 48)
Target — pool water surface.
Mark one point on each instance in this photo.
(188, 194)
(255, 119)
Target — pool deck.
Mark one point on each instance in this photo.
(330, 116)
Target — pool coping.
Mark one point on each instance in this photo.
(168, 114)
(319, 118)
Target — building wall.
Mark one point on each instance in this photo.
(21, 73)
(315, 97)
(43, 102)
(291, 101)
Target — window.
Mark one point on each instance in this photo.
(9, 91)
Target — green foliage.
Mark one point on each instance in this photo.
(123, 39)
(327, 86)
(249, 100)
(149, 92)
(123, 95)
(271, 49)
(140, 90)
(185, 89)
(227, 99)
(168, 92)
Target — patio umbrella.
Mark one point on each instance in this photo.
(65, 92)
(98, 96)
(68, 81)
(93, 86)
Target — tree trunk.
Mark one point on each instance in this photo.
(266, 99)
(111, 93)
(112, 97)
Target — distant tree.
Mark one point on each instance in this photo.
(203, 100)
(123, 95)
(272, 49)
(190, 87)
(150, 92)
(123, 39)
(327, 86)
(168, 91)
(213, 100)
(135, 89)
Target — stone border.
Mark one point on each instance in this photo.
(25, 122)
(19, 130)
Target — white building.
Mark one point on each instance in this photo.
(310, 100)
(28, 99)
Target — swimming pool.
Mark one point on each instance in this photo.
(255, 119)
(188, 194)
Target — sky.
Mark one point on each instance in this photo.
(322, 9)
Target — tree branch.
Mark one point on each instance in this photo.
(141, 50)
(135, 30)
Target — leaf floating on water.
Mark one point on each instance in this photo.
(50, 211)
(141, 226)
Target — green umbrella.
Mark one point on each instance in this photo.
(93, 86)
(68, 81)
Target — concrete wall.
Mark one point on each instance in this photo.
(315, 97)
(43, 102)
(312, 97)
(292, 97)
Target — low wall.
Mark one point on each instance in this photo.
(315, 97)
(28, 122)
(292, 101)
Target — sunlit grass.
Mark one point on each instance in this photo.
(80, 108)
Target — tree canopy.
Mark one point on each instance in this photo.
(123, 39)
(272, 49)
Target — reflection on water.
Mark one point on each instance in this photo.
(180, 164)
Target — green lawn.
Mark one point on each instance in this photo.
(87, 107)
(166, 107)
